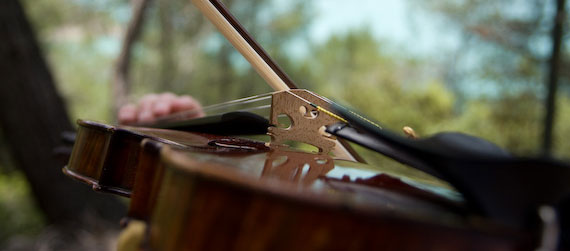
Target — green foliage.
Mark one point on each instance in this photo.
(507, 43)
(562, 127)
(355, 69)
(77, 42)
(84, 83)
(507, 52)
(205, 64)
(182, 53)
(18, 214)
(513, 123)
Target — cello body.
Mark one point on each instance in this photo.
(206, 192)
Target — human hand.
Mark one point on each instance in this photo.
(154, 106)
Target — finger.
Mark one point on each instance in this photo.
(127, 114)
(145, 113)
(163, 105)
(187, 103)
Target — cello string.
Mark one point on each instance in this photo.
(319, 108)
(221, 106)
(240, 101)
(261, 107)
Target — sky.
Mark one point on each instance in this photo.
(396, 21)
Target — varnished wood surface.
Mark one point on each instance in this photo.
(108, 158)
(148, 181)
(214, 193)
(88, 155)
(220, 207)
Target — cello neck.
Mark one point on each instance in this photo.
(234, 32)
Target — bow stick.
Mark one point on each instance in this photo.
(228, 25)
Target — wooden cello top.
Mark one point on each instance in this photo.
(317, 178)
(306, 201)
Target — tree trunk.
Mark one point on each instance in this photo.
(32, 117)
(167, 64)
(557, 33)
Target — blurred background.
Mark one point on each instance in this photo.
(476, 66)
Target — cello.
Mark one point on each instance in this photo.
(207, 192)
(194, 190)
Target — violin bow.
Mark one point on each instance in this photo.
(238, 36)
(259, 59)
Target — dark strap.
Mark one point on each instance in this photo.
(505, 188)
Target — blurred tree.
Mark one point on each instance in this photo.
(511, 38)
(166, 10)
(553, 75)
(356, 68)
(80, 41)
(506, 51)
(32, 117)
(121, 79)
(204, 64)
